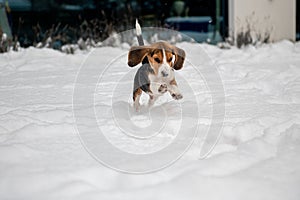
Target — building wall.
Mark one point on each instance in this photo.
(277, 17)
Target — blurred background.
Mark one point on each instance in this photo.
(32, 22)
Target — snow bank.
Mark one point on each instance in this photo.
(257, 156)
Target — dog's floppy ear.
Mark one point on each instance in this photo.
(136, 55)
(179, 58)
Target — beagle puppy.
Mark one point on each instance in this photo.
(156, 75)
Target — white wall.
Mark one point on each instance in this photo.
(275, 16)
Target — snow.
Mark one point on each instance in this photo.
(256, 156)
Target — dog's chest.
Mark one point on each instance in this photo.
(156, 82)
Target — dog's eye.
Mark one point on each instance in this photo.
(157, 60)
(170, 59)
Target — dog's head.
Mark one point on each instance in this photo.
(162, 57)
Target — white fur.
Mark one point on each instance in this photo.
(138, 28)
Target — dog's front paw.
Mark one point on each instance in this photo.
(177, 96)
(163, 88)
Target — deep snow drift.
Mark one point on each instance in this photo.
(257, 156)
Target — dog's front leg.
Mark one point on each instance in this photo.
(152, 100)
(153, 93)
(136, 98)
(174, 91)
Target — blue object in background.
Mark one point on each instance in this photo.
(198, 24)
(20, 5)
(199, 28)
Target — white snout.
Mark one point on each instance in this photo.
(165, 70)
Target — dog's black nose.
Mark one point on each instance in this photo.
(164, 74)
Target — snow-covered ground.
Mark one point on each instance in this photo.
(256, 157)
